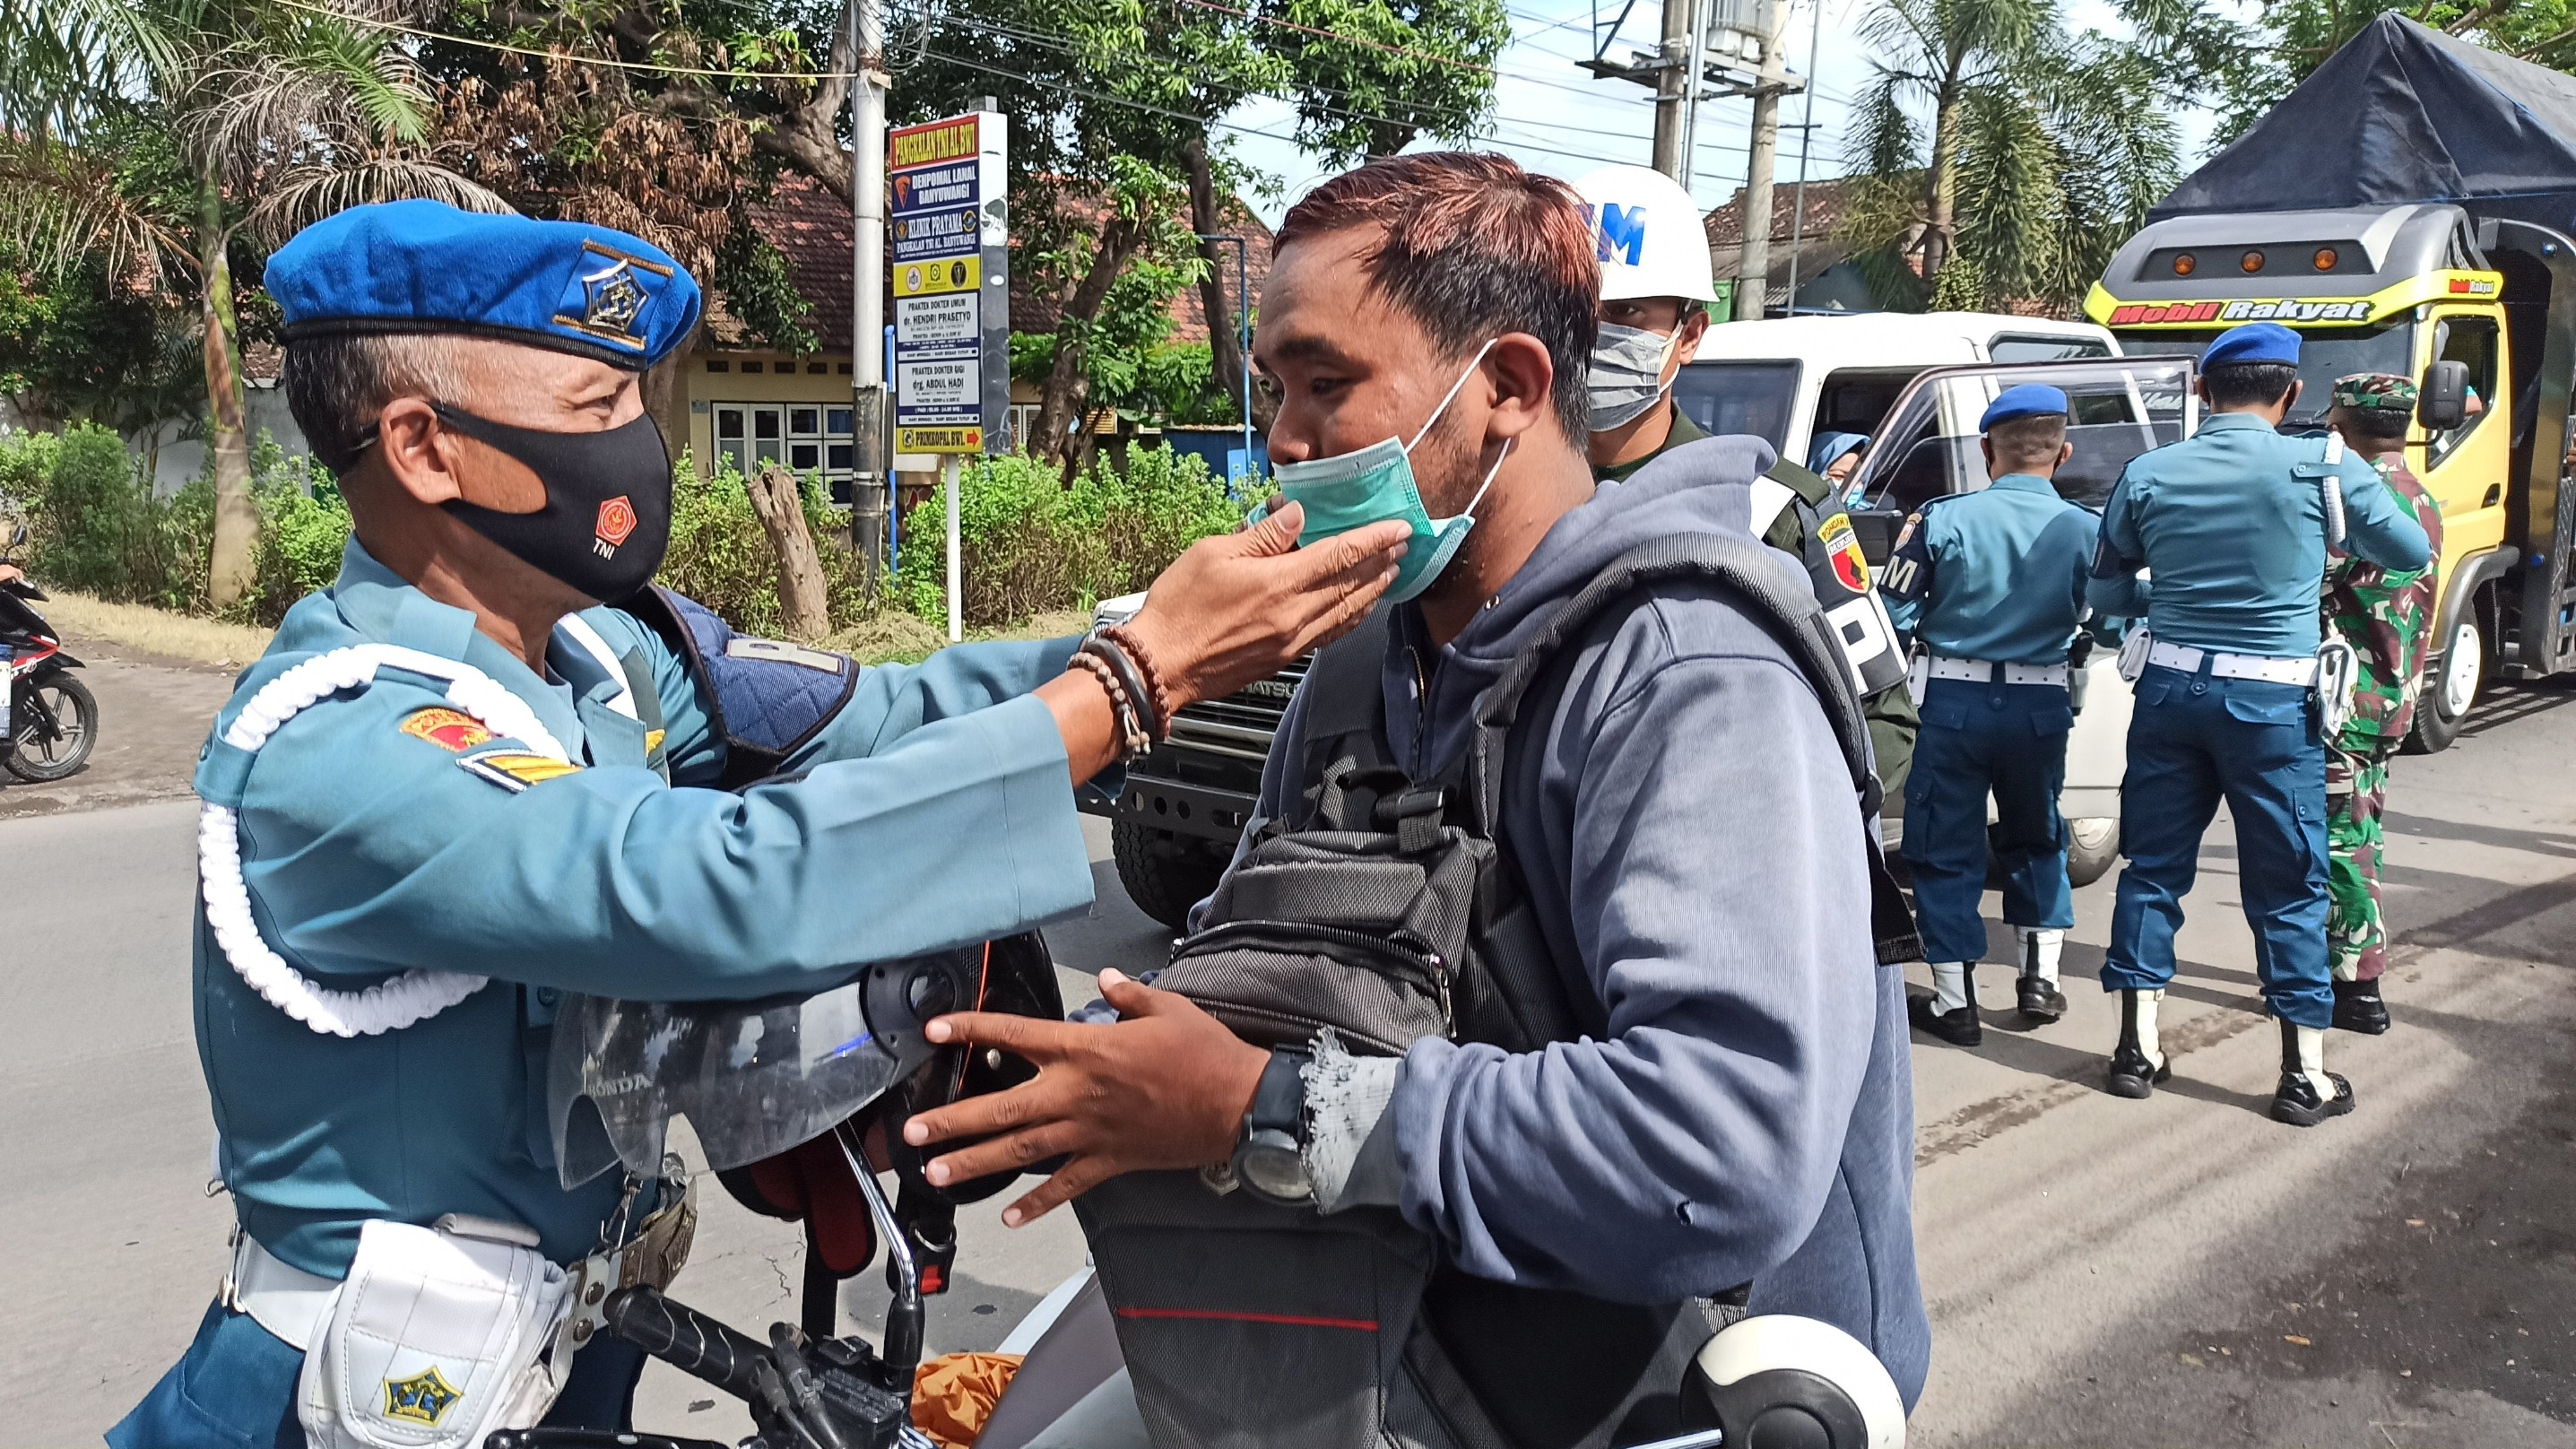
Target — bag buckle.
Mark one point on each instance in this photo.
(1415, 814)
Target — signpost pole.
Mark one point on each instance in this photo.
(949, 468)
(870, 482)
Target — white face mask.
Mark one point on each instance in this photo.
(1627, 375)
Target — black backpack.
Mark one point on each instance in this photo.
(1388, 910)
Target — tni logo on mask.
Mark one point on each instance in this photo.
(616, 524)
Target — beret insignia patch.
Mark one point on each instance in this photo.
(515, 770)
(451, 730)
(613, 297)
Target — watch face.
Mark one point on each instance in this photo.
(1273, 1170)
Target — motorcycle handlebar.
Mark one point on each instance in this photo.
(687, 1340)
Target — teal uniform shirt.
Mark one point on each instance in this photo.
(931, 811)
(1997, 574)
(2231, 524)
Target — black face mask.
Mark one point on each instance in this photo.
(607, 518)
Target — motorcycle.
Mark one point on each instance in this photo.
(760, 1079)
(49, 720)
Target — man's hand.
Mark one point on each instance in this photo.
(1243, 606)
(9, 573)
(1166, 1086)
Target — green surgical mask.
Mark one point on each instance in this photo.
(1361, 487)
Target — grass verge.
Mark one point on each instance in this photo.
(153, 631)
(896, 637)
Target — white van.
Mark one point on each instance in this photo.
(1792, 378)
(1916, 386)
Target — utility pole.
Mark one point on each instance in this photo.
(872, 479)
(1770, 80)
(1806, 145)
(1674, 84)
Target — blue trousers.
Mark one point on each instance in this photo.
(2007, 740)
(235, 1389)
(2194, 740)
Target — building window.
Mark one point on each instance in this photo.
(846, 369)
(718, 364)
(806, 437)
(751, 367)
(817, 369)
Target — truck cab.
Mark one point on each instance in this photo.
(2398, 289)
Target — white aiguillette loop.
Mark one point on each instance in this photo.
(415, 995)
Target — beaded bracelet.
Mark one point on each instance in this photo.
(1149, 705)
(1161, 699)
(1132, 739)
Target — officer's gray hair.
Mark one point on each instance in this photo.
(2029, 442)
(335, 385)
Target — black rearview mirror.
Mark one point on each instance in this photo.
(2442, 400)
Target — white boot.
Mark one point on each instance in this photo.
(2040, 950)
(2308, 1093)
(1950, 988)
(2138, 1062)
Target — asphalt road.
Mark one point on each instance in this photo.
(2101, 1272)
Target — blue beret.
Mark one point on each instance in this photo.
(2253, 342)
(2029, 400)
(424, 266)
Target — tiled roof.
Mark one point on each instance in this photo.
(1035, 312)
(1824, 212)
(812, 230)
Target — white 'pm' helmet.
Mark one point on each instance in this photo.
(1648, 233)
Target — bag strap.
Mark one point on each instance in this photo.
(1342, 720)
(1745, 567)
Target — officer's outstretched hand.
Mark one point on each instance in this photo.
(1242, 606)
(1165, 1086)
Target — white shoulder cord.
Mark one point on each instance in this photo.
(416, 995)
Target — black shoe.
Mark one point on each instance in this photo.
(1958, 1028)
(2358, 1008)
(2040, 998)
(2132, 1075)
(2297, 1102)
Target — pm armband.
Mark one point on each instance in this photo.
(2109, 562)
(1908, 574)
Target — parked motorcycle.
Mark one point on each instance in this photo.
(49, 721)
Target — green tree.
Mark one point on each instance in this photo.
(150, 136)
(2042, 150)
(2291, 38)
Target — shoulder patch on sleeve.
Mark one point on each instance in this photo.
(515, 770)
(744, 647)
(451, 730)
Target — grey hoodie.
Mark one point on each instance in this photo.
(1689, 837)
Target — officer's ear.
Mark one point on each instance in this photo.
(2064, 452)
(420, 457)
(2290, 401)
(1986, 446)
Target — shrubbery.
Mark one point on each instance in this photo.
(721, 558)
(1030, 544)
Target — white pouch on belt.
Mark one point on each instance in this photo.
(2338, 668)
(2133, 654)
(437, 1338)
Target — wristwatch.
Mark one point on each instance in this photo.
(1270, 1156)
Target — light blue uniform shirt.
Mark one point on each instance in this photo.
(932, 811)
(1997, 574)
(2230, 525)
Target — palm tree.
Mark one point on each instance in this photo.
(271, 116)
(2044, 148)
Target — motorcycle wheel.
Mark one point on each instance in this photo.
(56, 725)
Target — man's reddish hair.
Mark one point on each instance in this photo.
(1474, 247)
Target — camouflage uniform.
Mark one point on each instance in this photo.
(2385, 617)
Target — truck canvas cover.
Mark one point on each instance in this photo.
(2403, 113)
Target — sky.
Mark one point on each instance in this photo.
(1590, 122)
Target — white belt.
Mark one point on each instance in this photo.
(2270, 669)
(292, 1304)
(280, 1297)
(1982, 671)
